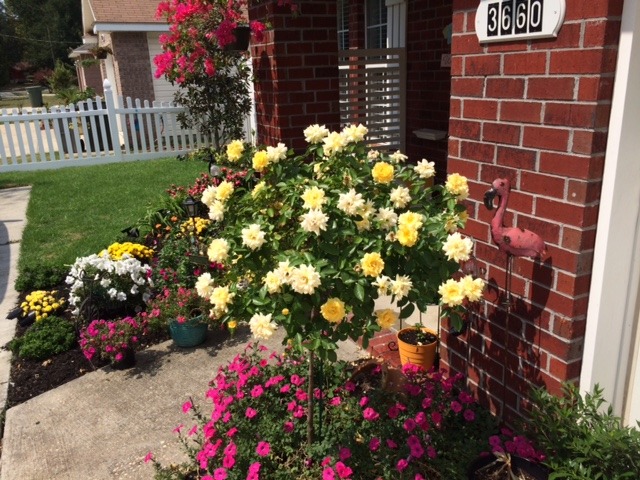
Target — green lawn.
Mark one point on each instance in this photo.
(76, 211)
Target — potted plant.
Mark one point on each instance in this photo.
(183, 312)
(512, 457)
(114, 341)
(101, 52)
(417, 345)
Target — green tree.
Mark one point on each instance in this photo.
(47, 29)
(10, 48)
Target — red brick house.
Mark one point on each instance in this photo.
(557, 116)
(131, 31)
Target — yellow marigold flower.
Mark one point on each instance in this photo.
(313, 197)
(407, 236)
(235, 150)
(333, 310)
(382, 172)
(386, 318)
(260, 161)
(372, 264)
(451, 293)
(457, 185)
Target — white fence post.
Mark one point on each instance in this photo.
(113, 119)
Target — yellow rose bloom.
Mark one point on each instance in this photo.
(457, 248)
(386, 318)
(257, 189)
(411, 219)
(407, 236)
(285, 311)
(313, 198)
(234, 150)
(372, 264)
(382, 172)
(472, 288)
(451, 293)
(224, 191)
(218, 250)
(457, 185)
(333, 310)
(260, 161)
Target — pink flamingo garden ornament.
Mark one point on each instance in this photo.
(511, 240)
(514, 241)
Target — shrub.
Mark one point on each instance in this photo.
(581, 438)
(40, 277)
(109, 340)
(50, 336)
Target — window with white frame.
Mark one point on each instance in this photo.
(376, 23)
(343, 24)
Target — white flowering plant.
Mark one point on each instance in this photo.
(102, 285)
(326, 232)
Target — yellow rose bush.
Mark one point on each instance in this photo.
(326, 232)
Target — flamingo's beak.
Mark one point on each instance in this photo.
(488, 198)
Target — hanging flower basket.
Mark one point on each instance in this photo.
(242, 34)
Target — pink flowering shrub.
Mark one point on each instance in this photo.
(253, 425)
(109, 339)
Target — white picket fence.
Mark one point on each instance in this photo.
(95, 132)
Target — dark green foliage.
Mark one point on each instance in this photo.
(217, 105)
(42, 277)
(582, 438)
(46, 338)
(46, 29)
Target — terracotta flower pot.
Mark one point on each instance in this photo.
(421, 355)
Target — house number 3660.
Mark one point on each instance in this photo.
(514, 17)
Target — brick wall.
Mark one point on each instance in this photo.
(535, 112)
(297, 71)
(428, 84)
(132, 65)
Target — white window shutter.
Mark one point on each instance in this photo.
(396, 23)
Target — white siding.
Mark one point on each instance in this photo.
(162, 89)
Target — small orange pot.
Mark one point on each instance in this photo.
(421, 355)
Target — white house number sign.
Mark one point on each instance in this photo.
(505, 20)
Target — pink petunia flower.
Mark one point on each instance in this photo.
(187, 406)
(343, 471)
(263, 449)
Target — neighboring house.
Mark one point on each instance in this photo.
(558, 116)
(131, 30)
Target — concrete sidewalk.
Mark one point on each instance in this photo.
(102, 425)
(13, 209)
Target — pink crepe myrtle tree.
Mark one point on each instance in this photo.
(215, 83)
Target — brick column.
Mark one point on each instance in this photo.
(296, 69)
(537, 113)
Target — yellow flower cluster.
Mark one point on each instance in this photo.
(194, 226)
(235, 150)
(136, 250)
(42, 302)
(454, 292)
(408, 225)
